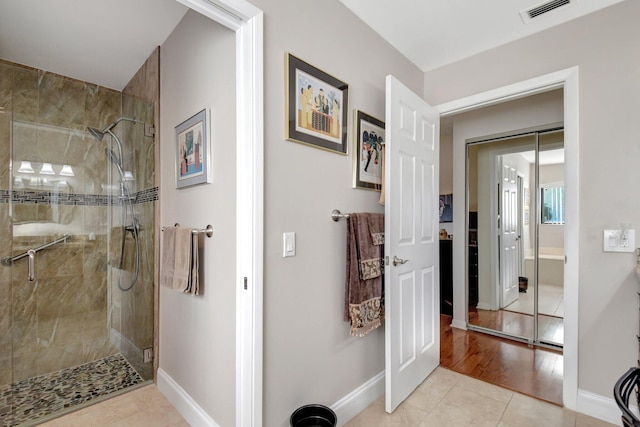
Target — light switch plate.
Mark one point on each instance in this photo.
(614, 241)
(288, 244)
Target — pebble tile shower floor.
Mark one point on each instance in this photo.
(33, 398)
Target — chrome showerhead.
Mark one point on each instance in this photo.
(99, 134)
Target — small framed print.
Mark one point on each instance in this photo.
(367, 153)
(316, 107)
(193, 151)
(446, 208)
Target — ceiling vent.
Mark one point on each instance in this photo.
(540, 10)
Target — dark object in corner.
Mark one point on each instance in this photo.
(313, 416)
(523, 284)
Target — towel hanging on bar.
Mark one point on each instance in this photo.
(364, 291)
(179, 269)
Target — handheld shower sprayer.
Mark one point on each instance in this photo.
(126, 200)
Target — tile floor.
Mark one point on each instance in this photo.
(550, 301)
(143, 407)
(33, 398)
(444, 399)
(449, 399)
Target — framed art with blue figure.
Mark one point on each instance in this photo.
(193, 151)
(367, 153)
(316, 108)
(446, 208)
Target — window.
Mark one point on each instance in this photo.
(553, 205)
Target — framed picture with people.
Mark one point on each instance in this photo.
(368, 151)
(316, 108)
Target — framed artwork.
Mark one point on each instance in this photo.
(316, 107)
(367, 153)
(193, 151)
(446, 208)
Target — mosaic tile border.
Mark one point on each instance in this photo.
(73, 199)
(37, 397)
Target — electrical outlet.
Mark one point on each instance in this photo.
(619, 241)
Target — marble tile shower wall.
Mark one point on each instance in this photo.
(64, 318)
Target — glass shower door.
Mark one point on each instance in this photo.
(69, 335)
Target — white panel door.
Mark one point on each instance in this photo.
(509, 237)
(412, 290)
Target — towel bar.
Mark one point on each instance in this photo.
(336, 215)
(208, 230)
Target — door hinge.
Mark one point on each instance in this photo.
(245, 283)
(149, 129)
(147, 355)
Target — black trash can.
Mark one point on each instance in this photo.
(523, 283)
(313, 416)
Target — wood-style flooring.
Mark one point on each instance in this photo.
(528, 370)
(550, 328)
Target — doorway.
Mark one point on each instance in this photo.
(567, 81)
(517, 208)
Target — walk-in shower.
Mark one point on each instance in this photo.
(130, 223)
(78, 196)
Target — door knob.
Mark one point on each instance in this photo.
(397, 260)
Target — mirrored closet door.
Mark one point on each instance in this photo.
(515, 235)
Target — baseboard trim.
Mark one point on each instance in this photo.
(358, 400)
(483, 306)
(601, 407)
(459, 324)
(180, 399)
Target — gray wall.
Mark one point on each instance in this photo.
(197, 333)
(602, 45)
(309, 355)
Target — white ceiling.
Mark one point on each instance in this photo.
(547, 157)
(433, 33)
(105, 42)
(98, 41)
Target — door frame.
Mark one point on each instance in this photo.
(568, 80)
(246, 21)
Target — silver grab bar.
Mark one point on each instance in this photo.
(31, 276)
(8, 261)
